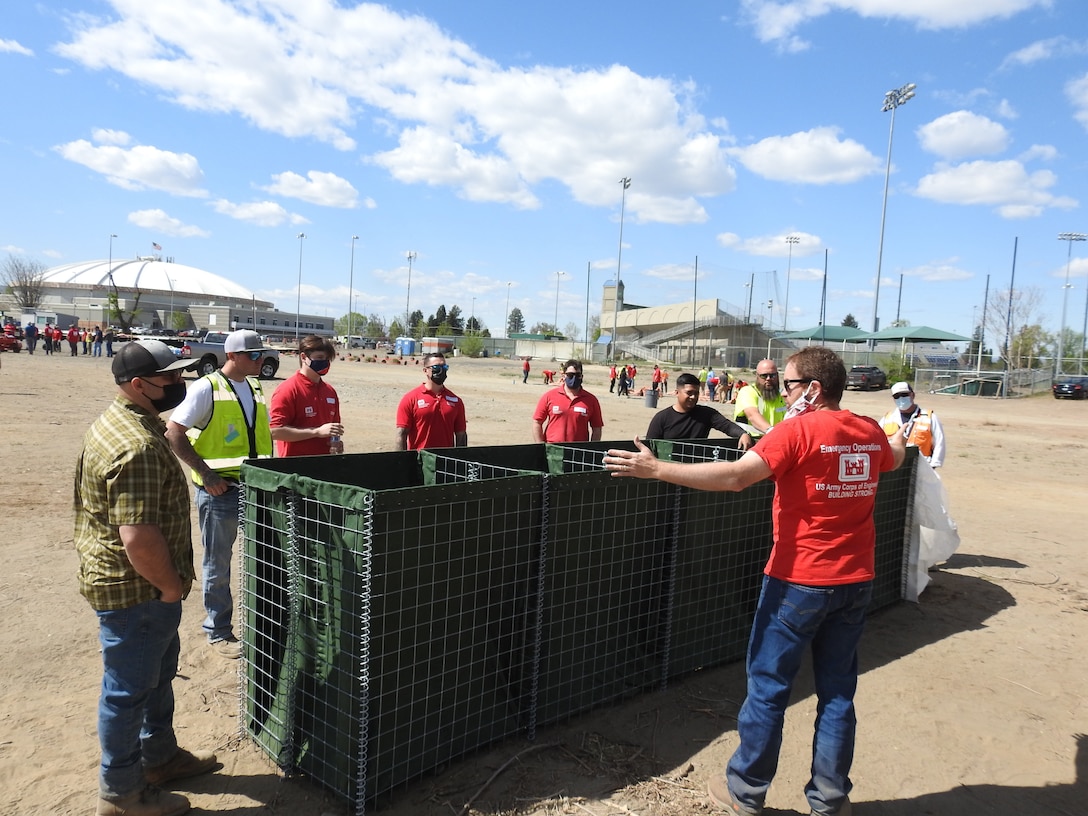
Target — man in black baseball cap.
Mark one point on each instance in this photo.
(134, 538)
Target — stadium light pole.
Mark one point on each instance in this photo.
(625, 182)
(555, 325)
(892, 100)
(351, 289)
(298, 298)
(585, 346)
(508, 285)
(1070, 237)
(411, 256)
(791, 240)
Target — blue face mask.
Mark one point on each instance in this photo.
(573, 382)
(904, 403)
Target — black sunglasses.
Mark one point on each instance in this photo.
(789, 384)
(767, 376)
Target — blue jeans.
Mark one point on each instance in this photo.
(790, 619)
(218, 529)
(140, 648)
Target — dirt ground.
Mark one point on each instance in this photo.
(972, 701)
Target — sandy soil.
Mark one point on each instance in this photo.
(971, 702)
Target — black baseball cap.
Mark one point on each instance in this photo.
(146, 358)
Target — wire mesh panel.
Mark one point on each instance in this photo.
(894, 517)
(603, 583)
(721, 542)
(407, 637)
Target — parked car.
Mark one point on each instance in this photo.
(10, 343)
(1070, 388)
(865, 378)
(209, 352)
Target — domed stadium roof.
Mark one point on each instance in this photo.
(147, 274)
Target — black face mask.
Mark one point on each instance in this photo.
(574, 382)
(172, 396)
(439, 373)
(319, 366)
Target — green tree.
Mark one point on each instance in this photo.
(456, 321)
(544, 328)
(179, 320)
(351, 323)
(1029, 346)
(515, 321)
(396, 329)
(850, 321)
(416, 325)
(472, 345)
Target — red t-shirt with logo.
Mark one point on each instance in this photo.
(300, 403)
(432, 419)
(568, 419)
(826, 466)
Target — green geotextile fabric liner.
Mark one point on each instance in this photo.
(603, 592)
(410, 633)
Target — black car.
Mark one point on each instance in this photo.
(1070, 388)
(865, 378)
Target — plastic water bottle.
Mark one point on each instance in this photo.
(334, 445)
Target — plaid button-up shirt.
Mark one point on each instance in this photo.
(127, 475)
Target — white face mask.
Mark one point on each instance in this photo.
(803, 405)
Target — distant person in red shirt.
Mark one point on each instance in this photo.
(656, 379)
(73, 339)
(525, 371)
(305, 411)
(568, 413)
(431, 416)
(549, 376)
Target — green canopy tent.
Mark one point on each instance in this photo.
(916, 334)
(828, 334)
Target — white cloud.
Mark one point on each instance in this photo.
(1048, 49)
(259, 213)
(773, 246)
(816, 156)
(459, 119)
(936, 271)
(961, 134)
(140, 168)
(1005, 185)
(160, 222)
(776, 21)
(1076, 91)
(1040, 152)
(13, 47)
(1005, 110)
(325, 189)
(671, 272)
(111, 137)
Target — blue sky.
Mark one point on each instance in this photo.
(489, 138)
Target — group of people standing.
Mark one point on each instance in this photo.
(132, 531)
(52, 338)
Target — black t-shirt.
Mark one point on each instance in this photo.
(694, 424)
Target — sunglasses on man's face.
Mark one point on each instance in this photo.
(438, 369)
(254, 355)
(767, 376)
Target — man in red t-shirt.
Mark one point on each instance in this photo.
(305, 412)
(825, 463)
(568, 413)
(431, 416)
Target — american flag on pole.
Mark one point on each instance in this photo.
(156, 246)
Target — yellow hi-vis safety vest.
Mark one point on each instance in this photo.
(228, 439)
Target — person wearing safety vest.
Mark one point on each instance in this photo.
(222, 422)
(921, 428)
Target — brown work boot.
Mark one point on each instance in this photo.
(181, 766)
(149, 802)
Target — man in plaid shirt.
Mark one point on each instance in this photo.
(133, 535)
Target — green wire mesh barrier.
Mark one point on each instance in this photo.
(400, 610)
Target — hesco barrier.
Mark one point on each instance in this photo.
(400, 610)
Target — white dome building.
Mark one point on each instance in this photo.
(161, 294)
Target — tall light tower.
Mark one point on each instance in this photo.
(411, 256)
(791, 240)
(625, 182)
(298, 299)
(351, 287)
(1070, 237)
(508, 285)
(555, 324)
(892, 100)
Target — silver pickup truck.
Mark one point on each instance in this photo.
(209, 351)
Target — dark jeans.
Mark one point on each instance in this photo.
(789, 620)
